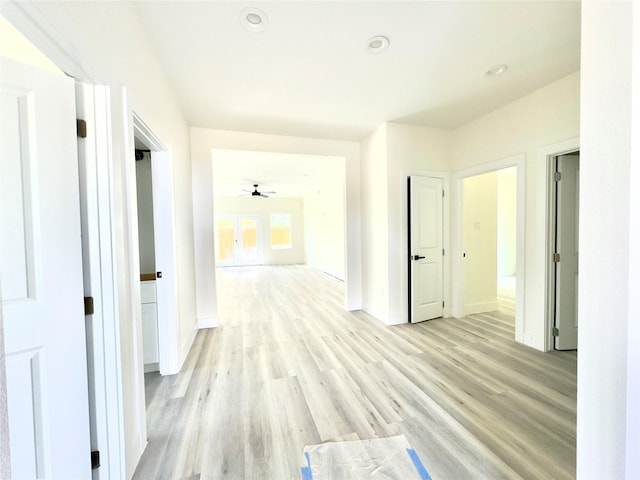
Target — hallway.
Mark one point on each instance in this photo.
(288, 367)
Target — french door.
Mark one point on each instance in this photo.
(238, 240)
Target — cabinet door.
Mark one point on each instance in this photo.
(150, 333)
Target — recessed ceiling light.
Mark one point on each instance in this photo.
(377, 44)
(254, 19)
(496, 70)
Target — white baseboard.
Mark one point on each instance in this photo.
(207, 322)
(151, 367)
(480, 308)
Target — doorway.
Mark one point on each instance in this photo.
(488, 228)
(512, 197)
(147, 257)
(564, 209)
(156, 248)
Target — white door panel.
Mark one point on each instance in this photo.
(426, 238)
(41, 268)
(567, 212)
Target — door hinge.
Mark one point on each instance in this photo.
(557, 176)
(555, 332)
(88, 306)
(556, 258)
(95, 459)
(442, 193)
(443, 252)
(81, 127)
(443, 304)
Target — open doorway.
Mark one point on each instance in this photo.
(488, 228)
(156, 250)
(488, 234)
(563, 246)
(147, 257)
(298, 217)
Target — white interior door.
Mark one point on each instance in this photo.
(567, 210)
(165, 251)
(426, 248)
(41, 276)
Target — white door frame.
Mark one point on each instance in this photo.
(405, 308)
(164, 240)
(517, 161)
(549, 153)
(100, 276)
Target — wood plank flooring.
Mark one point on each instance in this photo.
(289, 367)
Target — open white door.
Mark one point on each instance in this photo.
(425, 248)
(165, 249)
(41, 268)
(566, 261)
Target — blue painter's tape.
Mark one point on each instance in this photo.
(306, 471)
(424, 475)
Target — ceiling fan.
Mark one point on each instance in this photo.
(256, 193)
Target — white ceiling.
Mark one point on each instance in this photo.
(309, 74)
(289, 175)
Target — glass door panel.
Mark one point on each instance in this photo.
(249, 251)
(225, 240)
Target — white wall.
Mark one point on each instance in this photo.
(204, 140)
(633, 334)
(324, 220)
(507, 216)
(547, 116)
(15, 45)
(264, 207)
(608, 375)
(411, 150)
(5, 453)
(375, 240)
(479, 242)
(146, 240)
(80, 35)
(389, 155)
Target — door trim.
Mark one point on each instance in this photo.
(106, 369)
(549, 154)
(517, 161)
(161, 174)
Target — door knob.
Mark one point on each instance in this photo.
(417, 257)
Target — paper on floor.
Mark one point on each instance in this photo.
(390, 458)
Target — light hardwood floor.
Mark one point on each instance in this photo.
(289, 367)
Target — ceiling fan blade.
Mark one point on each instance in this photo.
(271, 192)
(263, 195)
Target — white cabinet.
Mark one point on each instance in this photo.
(149, 325)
